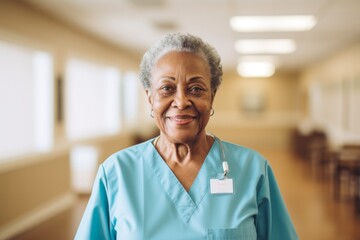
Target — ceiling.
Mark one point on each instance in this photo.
(136, 24)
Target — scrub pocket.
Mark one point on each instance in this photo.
(244, 232)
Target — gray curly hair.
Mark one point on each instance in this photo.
(184, 43)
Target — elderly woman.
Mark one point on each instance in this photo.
(185, 183)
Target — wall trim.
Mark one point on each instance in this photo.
(15, 163)
(36, 216)
(230, 119)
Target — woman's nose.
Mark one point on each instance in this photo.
(181, 100)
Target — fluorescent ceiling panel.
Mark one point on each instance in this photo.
(265, 46)
(261, 58)
(256, 69)
(288, 23)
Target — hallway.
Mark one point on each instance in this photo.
(316, 215)
(309, 198)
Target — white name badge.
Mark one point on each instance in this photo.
(221, 186)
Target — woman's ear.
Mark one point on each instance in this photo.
(213, 96)
(148, 94)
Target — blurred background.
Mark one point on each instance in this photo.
(70, 96)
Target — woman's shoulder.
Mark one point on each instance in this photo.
(240, 148)
(128, 155)
(244, 154)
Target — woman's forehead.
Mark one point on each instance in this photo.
(181, 62)
(182, 58)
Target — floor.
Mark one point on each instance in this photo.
(61, 227)
(309, 198)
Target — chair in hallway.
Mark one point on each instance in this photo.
(347, 171)
(313, 147)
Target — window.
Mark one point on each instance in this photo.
(334, 108)
(92, 100)
(136, 112)
(26, 101)
(131, 99)
(354, 100)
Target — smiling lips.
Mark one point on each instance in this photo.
(182, 119)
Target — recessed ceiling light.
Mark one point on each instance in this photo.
(265, 46)
(165, 25)
(256, 69)
(284, 23)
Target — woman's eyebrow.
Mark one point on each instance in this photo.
(197, 79)
(167, 78)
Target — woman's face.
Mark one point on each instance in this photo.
(181, 96)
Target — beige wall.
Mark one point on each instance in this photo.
(344, 64)
(269, 128)
(278, 90)
(25, 188)
(37, 180)
(337, 71)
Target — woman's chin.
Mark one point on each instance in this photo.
(184, 136)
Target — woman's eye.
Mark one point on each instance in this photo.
(167, 89)
(196, 90)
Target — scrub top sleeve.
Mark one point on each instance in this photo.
(273, 221)
(95, 223)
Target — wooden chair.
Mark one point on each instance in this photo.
(318, 153)
(347, 163)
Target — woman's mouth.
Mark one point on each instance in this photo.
(182, 119)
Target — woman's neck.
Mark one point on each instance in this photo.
(185, 160)
(183, 153)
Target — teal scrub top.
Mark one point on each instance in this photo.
(137, 196)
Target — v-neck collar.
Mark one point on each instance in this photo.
(186, 202)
